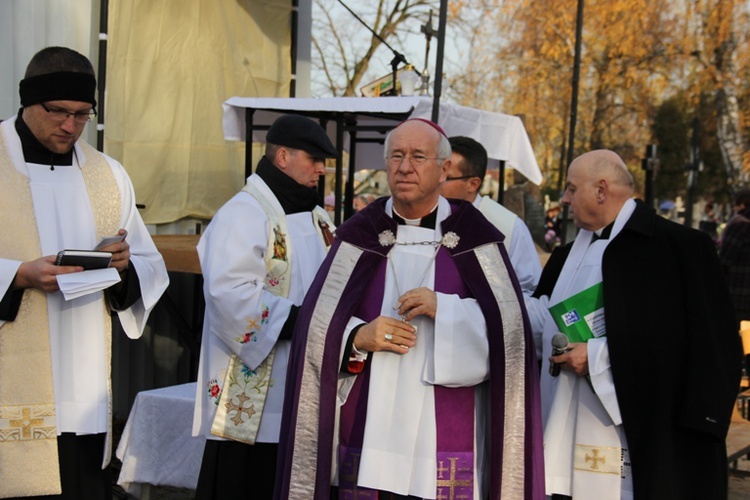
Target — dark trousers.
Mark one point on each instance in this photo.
(81, 471)
(236, 470)
(382, 495)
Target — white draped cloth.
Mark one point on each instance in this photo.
(399, 446)
(578, 420)
(231, 252)
(65, 220)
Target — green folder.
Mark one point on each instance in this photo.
(581, 316)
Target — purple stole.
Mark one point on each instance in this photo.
(454, 407)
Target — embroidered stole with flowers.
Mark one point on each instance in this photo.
(28, 433)
(243, 395)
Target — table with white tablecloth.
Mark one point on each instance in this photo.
(156, 447)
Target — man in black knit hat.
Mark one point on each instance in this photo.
(59, 193)
(258, 255)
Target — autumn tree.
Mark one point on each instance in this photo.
(516, 56)
(345, 48)
(718, 30)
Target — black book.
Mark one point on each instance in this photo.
(88, 259)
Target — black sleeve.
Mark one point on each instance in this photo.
(128, 294)
(288, 329)
(10, 304)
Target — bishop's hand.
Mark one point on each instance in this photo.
(385, 334)
(419, 301)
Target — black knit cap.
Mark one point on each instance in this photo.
(298, 132)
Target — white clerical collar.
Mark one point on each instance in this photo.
(414, 222)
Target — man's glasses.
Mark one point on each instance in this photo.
(459, 178)
(397, 159)
(60, 115)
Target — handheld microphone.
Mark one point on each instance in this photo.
(559, 344)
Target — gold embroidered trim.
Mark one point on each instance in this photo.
(243, 395)
(23, 423)
(26, 392)
(598, 459)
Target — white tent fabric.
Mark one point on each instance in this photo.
(27, 26)
(504, 136)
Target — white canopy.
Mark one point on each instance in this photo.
(365, 120)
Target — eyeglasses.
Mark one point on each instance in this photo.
(460, 178)
(398, 158)
(60, 115)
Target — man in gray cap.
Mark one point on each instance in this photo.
(258, 256)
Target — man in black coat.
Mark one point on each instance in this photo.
(641, 407)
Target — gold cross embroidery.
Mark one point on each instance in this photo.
(240, 408)
(452, 483)
(351, 477)
(252, 323)
(26, 423)
(596, 459)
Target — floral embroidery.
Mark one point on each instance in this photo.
(274, 278)
(214, 391)
(247, 372)
(253, 328)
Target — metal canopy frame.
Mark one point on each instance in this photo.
(343, 122)
(359, 126)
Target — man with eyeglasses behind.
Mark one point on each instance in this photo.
(59, 193)
(465, 176)
(466, 173)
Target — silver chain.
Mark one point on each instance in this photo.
(433, 243)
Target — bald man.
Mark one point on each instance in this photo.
(642, 402)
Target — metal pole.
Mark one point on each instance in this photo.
(439, 62)
(249, 112)
(349, 190)
(293, 48)
(102, 80)
(693, 167)
(649, 165)
(339, 168)
(573, 107)
(501, 182)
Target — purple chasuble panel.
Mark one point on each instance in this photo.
(454, 407)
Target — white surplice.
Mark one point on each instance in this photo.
(399, 445)
(231, 253)
(65, 220)
(575, 418)
(518, 242)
